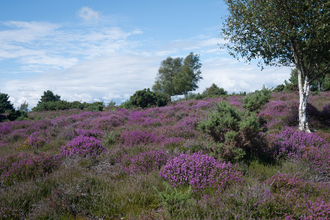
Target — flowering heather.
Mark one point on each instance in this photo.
(33, 141)
(62, 121)
(290, 142)
(83, 146)
(295, 198)
(325, 114)
(90, 133)
(200, 171)
(144, 162)
(107, 122)
(131, 138)
(26, 166)
(274, 109)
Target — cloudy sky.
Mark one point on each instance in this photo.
(106, 50)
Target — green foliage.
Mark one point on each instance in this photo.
(326, 83)
(235, 132)
(24, 107)
(111, 104)
(214, 90)
(196, 96)
(279, 88)
(49, 97)
(17, 115)
(173, 200)
(5, 103)
(95, 106)
(110, 138)
(178, 76)
(146, 98)
(190, 75)
(63, 105)
(58, 105)
(167, 71)
(256, 100)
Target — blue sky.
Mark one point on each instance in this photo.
(106, 50)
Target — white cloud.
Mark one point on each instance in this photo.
(40, 46)
(235, 76)
(110, 77)
(88, 14)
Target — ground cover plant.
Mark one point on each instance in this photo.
(211, 158)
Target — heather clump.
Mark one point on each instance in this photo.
(293, 198)
(291, 143)
(200, 171)
(131, 138)
(235, 132)
(144, 162)
(325, 115)
(97, 133)
(106, 123)
(32, 142)
(83, 146)
(16, 168)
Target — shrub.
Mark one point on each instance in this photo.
(174, 200)
(144, 162)
(214, 90)
(146, 98)
(17, 115)
(279, 88)
(58, 105)
(16, 168)
(235, 132)
(256, 100)
(83, 146)
(200, 171)
(94, 107)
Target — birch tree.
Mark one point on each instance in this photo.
(292, 33)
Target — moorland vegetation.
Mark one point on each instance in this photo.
(205, 158)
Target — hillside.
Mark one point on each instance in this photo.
(158, 163)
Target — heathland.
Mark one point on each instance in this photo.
(214, 158)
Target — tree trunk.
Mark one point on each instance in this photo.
(321, 86)
(185, 94)
(303, 96)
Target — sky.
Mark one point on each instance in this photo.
(105, 50)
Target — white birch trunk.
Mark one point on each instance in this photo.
(303, 96)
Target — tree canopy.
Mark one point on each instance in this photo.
(178, 76)
(49, 97)
(282, 33)
(5, 103)
(214, 90)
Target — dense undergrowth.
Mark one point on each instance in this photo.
(195, 159)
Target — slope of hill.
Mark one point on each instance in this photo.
(156, 164)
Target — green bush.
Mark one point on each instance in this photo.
(173, 200)
(214, 90)
(17, 115)
(58, 105)
(95, 106)
(256, 100)
(279, 88)
(235, 132)
(146, 98)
